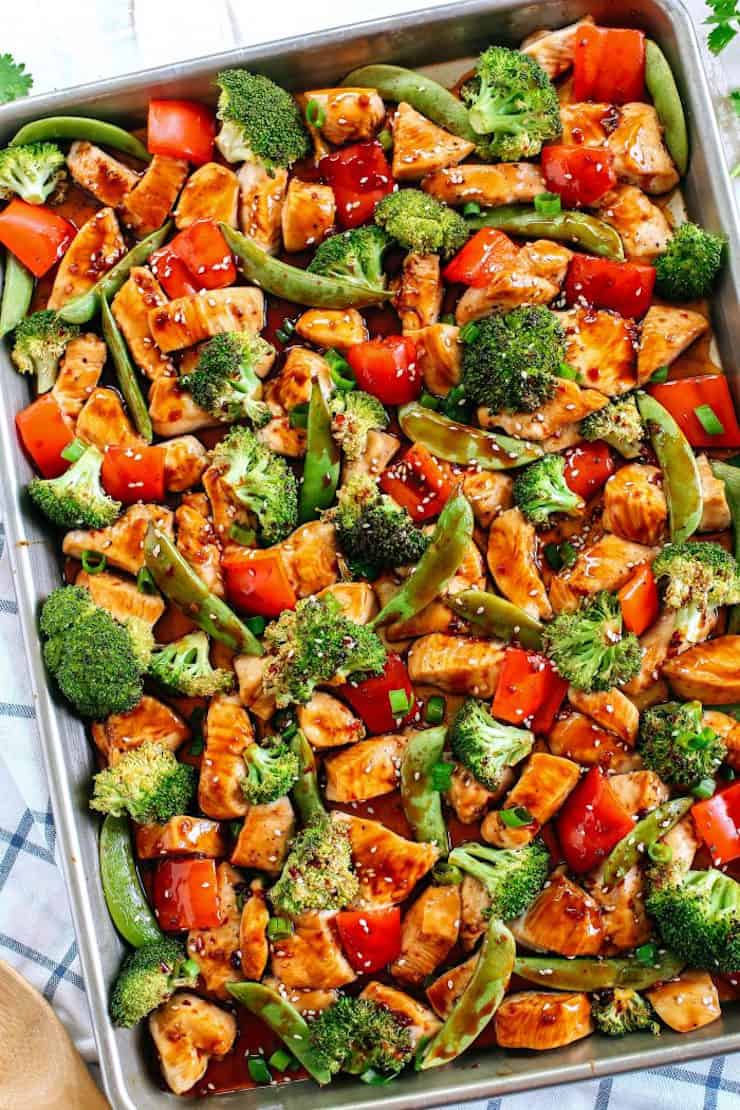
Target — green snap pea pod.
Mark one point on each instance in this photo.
(424, 94)
(437, 565)
(661, 84)
(125, 373)
(306, 793)
(681, 482)
(459, 443)
(177, 580)
(285, 1021)
(587, 973)
(322, 463)
(578, 228)
(81, 127)
(17, 293)
(630, 848)
(478, 1002)
(730, 475)
(294, 284)
(495, 616)
(82, 309)
(122, 887)
(422, 804)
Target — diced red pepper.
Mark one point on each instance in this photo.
(387, 368)
(717, 821)
(555, 692)
(204, 251)
(371, 698)
(609, 64)
(419, 483)
(487, 252)
(172, 273)
(682, 398)
(525, 682)
(578, 174)
(371, 939)
(588, 467)
(639, 601)
(257, 581)
(132, 474)
(360, 176)
(36, 235)
(181, 129)
(624, 287)
(44, 433)
(591, 822)
(185, 895)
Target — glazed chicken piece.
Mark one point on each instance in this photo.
(563, 918)
(654, 644)
(131, 307)
(429, 930)
(434, 617)
(327, 722)
(490, 186)
(356, 600)
(534, 276)
(439, 356)
(686, 1003)
(326, 327)
(228, 733)
(554, 50)
(122, 543)
(281, 438)
(307, 1002)
(149, 721)
(543, 786)
(216, 950)
(444, 992)
(681, 840)
(457, 664)
(489, 494)
(103, 421)
(623, 917)
(600, 346)
(715, 512)
(708, 672)
(635, 507)
(366, 770)
(186, 320)
(261, 199)
(121, 597)
(666, 333)
(605, 565)
(186, 1032)
(311, 956)
(308, 214)
(542, 1019)
(310, 555)
(610, 709)
(387, 865)
(100, 173)
(642, 225)
(96, 247)
(79, 373)
(587, 123)
(580, 739)
(418, 297)
(173, 410)
(418, 1020)
(292, 386)
(185, 459)
(348, 115)
(512, 543)
(197, 543)
(210, 193)
(181, 836)
(253, 944)
(468, 797)
(474, 916)
(568, 404)
(265, 836)
(149, 204)
(421, 147)
(379, 450)
(640, 155)
(639, 791)
(250, 671)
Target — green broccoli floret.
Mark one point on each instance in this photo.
(589, 647)
(63, 607)
(260, 121)
(32, 171)
(484, 745)
(271, 773)
(540, 490)
(619, 424)
(225, 381)
(142, 639)
(513, 877)
(622, 1010)
(374, 532)
(511, 359)
(38, 345)
(314, 644)
(147, 978)
(698, 918)
(76, 499)
(317, 875)
(184, 666)
(688, 266)
(355, 256)
(355, 1034)
(259, 481)
(512, 105)
(421, 223)
(698, 578)
(354, 415)
(674, 743)
(147, 782)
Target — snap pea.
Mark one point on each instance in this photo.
(81, 127)
(459, 443)
(629, 850)
(125, 373)
(578, 228)
(306, 793)
(586, 973)
(422, 804)
(425, 95)
(730, 475)
(495, 616)
(285, 1021)
(681, 483)
(661, 84)
(322, 463)
(124, 895)
(17, 293)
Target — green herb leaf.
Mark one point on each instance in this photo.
(14, 81)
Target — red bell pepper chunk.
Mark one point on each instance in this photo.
(555, 691)
(185, 895)
(132, 474)
(717, 821)
(489, 251)
(181, 129)
(419, 483)
(205, 253)
(588, 467)
(682, 398)
(44, 433)
(371, 698)
(524, 683)
(387, 368)
(172, 273)
(624, 287)
(36, 235)
(578, 174)
(257, 581)
(609, 65)
(370, 939)
(360, 176)
(639, 601)
(591, 822)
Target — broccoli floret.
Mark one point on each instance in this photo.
(512, 105)
(260, 121)
(622, 1010)
(260, 481)
(147, 782)
(354, 1034)
(76, 499)
(674, 743)
(421, 223)
(225, 382)
(63, 607)
(510, 360)
(619, 424)
(271, 773)
(513, 877)
(698, 578)
(540, 490)
(142, 639)
(32, 171)
(688, 266)
(184, 666)
(317, 875)
(355, 256)
(374, 532)
(589, 647)
(484, 745)
(699, 919)
(354, 415)
(38, 344)
(147, 978)
(314, 644)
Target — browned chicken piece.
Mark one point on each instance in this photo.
(356, 600)
(715, 512)
(388, 865)
(185, 459)
(655, 644)
(512, 544)
(282, 439)
(444, 992)
(666, 333)
(131, 307)
(310, 555)
(173, 410)
(623, 916)
(686, 1003)
(639, 791)
(228, 733)
(250, 670)
(379, 450)
(474, 912)
(681, 840)
(434, 617)
(457, 664)
(328, 327)
(210, 193)
(563, 918)
(554, 50)
(610, 709)
(568, 404)
(708, 672)
(122, 543)
(418, 1020)
(421, 147)
(216, 950)
(600, 345)
(348, 115)
(542, 1019)
(292, 386)
(148, 205)
(307, 1002)
(103, 421)
(79, 373)
(429, 930)
(729, 729)
(264, 840)
(186, 320)
(311, 956)
(578, 738)
(187, 1031)
(100, 173)
(418, 297)
(635, 507)
(533, 277)
(254, 947)
(587, 123)
(121, 597)
(468, 797)
(439, 355)
(181, 836)
(149, 721)
(489, 494)
(543, 786)
(365, 770)
(640, 155)
(327, 722)
(261, 199)
(642, 225)
(605, 565)
(491, 186)
(197, 543)
(308, 214)
(96, 247)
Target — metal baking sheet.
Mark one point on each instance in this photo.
(418, 39)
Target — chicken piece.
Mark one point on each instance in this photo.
(327, 722)
(311, 956)
(356, 600)
(605, 565)
(228, 733)
(149, 721)
(261, 199)
(122, 543)
(311, 557)
(186, 320)
(600, 346)
(197, 543)
(103, 421)
(210, 193)
(490, 186)
(610, 709)
(640, 155)
(542, 1019)
(708, 672)
(563, 918)
(186, 1032)
(568, 404)
(635, 507)
(666, 333)
(265, 836)
(587, 123)
(348, 115)
(327, 327)
(434, 617)
(282, 439)
(254, 947)
(307, 215)
(250, 670)
(475, 904)
(100, 173)
(543, 786)
(457, 664)
(686, 1003)
(623, 916)
(534, 276)
(421, 147)
(439, 356)
(216, 950)
(379, 450)
(96, 247)
(511, 551)
(387, 865)
(181, 836)
(578, 738)
(307, 1002)
(554, 50)
(173, 410)
(418, 297)
(642, 225)
(468, 797)
(79, 373)
(654, 644)
(489, 494)
(715, 512)
(366, 770)
(639, 791)
(429, 930)
(682, 841)
(147, 206)
(292, 386)
(418, 1020)
(225, 510)
(185, 459)
(131, 307)
(121, 597)
(444, 992)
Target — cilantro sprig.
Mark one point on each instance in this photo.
(14, 81)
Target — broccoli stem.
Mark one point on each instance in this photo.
(462, 444)
(422, 804)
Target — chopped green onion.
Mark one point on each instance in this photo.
(429, 401)
(704, 789)
(709, 420)
(456, 406)
(516, 817)
(727, 773)
(646, 953)
(448, 318)
(660, 852)
(241, 535)
(568, 554)
(93, 561)
(298, 417)
(190, 967)
(280, 1060)
(441, 776)
(259, 1070)
(385, 138)
(343, 384)
(278, 927)
(548, 204)
(235, 828)
(74, 451)
(145, 584)
(471, 209)
(399, 701)
(660, 375)
(569, 372)
(434, 713)
(195, 720)
(551, 552)
(375, 1079)
(315, 114)
(196, 746)
(256, 625)
(446, 874)
(469, 332)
